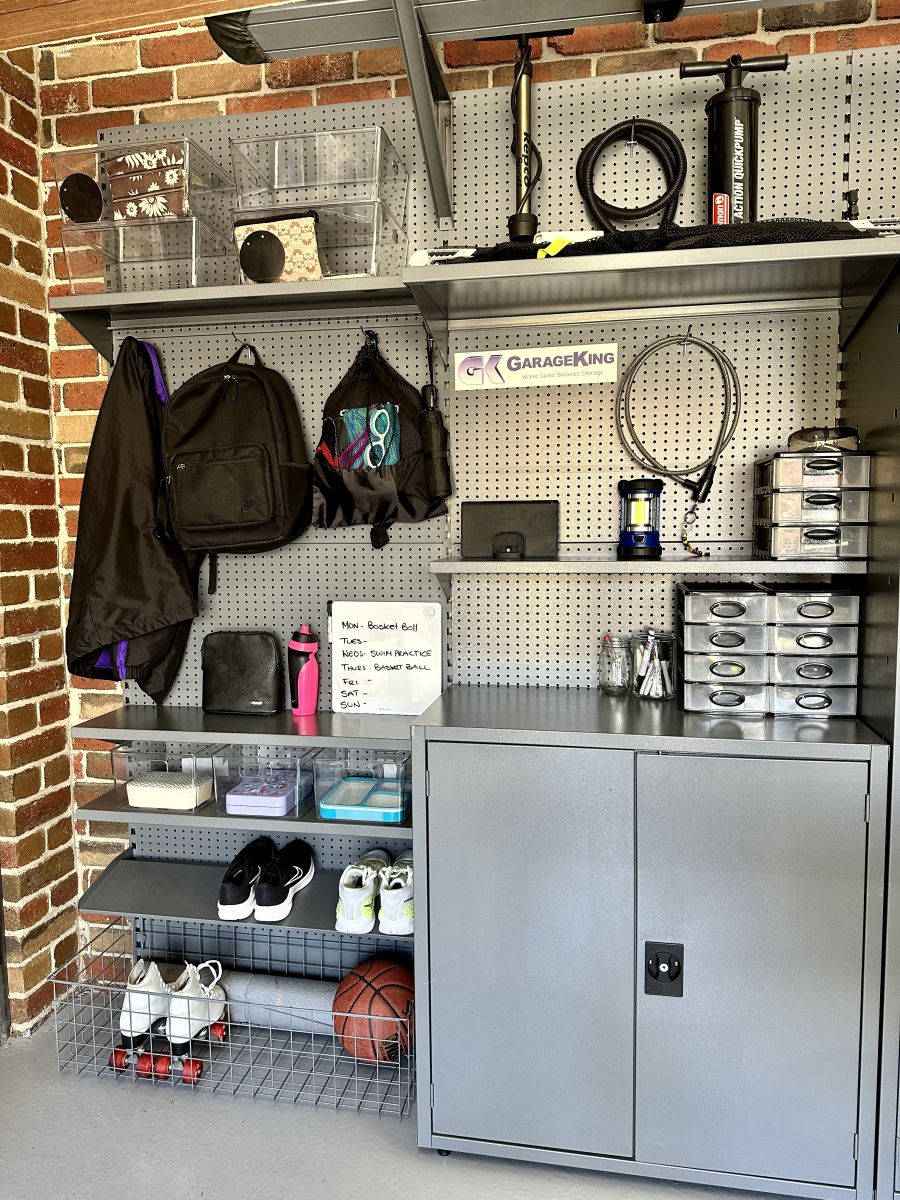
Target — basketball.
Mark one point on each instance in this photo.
(373, 1008)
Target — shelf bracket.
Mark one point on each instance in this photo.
(432, 106)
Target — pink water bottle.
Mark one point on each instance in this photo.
(303, 668)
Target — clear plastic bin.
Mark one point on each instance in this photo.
(163, 180)
(137, 256)
(798, 507)
(180, 779)
(738, 699)
(720, 603)
(811, 541)
(363, 785)
(267, 781)
(310, 169)
(725, 668)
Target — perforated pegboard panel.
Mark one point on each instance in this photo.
(219, 845)
(278, 590)
(875, 102)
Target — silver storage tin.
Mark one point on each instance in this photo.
(725, 639)
(725, 668)
(813, 640)
(814, 607)
(797, 507)
(734, 698)
(813, 469)
(713, 603)
(812, 541)
(811, 672)
(813, 701)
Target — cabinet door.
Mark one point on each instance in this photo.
(758, 867)
(531, 935)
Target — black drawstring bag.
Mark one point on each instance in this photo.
(370, 464)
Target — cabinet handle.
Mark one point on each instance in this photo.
(727, 699)
(823, 499)
(814, 670)
(727, 669)
(813, 701)
(728, 608)
(815, 641)
(815, 610)
(726, 640)
(822, 533)
(822, 466)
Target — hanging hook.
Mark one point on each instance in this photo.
(370, 335)
(631, 143)
(686, 338)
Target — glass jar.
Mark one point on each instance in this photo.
(615, 665)
(653, 651)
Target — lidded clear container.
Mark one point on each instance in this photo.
(654, 664)
(180, 778)
(363, 785)
(615, 665)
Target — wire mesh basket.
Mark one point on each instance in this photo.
(244, 1047)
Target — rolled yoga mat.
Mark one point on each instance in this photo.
(276, 1001)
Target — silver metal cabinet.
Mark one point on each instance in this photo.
(759, 868)
(531, 935)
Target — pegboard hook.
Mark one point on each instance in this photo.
(686, 338)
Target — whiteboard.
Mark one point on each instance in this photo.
(387, 657)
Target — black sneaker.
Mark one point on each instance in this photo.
(237, 892)
(288, 873)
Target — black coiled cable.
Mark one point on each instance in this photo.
(660, 141)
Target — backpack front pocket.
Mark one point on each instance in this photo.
(227, 487)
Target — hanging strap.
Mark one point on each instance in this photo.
(236, 357)
(212, 575)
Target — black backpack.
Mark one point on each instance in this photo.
(237, 475)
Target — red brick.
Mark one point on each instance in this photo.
(59, 833)
(352, 93)
(186, 111)
(29, 257)
(595, 39)
(746, 49)
(132, 89)
(74, 364)
(380, 62)
(645, 60)
(62, 99)
(25, 190)
(887, 10)
(80, 396)
(12, 521)
(20, 622)
(858, 39)
(44, 521)
(550, 72)
(268, 102)
(64, 891)
(33, 749)
(20, 224)
(219, 79)
(54, 710)
(82, 130)
(809, 16)
(14, 83)
(794, 44)
(9, 318)
(28, 556)
(19, 422)
(34, 327)
(24, 59)
(22, 121)
(144, 31)
(483, 54)
(91, 58)
(29, 914)
(36, 391)
(25, 1011)
(70, 491)
(178, 50)
(57, 770)
(16, 655)
(46, 587)
(25, 784)
(22, 851)
(17, 490)
(6, 250)
(14, 589)
(66, 334)
(19, 357)
(18, 153)
(316, 68)
(703, 27)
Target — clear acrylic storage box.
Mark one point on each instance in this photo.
(363, 785)
(308, 170)
(178, 778)
(137, 256)
(267, 781)
(165, 180)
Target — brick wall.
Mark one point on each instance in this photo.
(36, 847)
(158, 74)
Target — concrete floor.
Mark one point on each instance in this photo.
(65, 1137)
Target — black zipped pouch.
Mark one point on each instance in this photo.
(242, 673)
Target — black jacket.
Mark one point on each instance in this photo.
(134, 592)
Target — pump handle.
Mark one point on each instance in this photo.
(773, 62)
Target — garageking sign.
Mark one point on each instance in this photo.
(536, 366)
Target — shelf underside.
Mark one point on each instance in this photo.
(674, 564)
(132, 887)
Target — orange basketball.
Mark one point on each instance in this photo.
(373, 1009)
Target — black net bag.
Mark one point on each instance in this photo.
(370, 465)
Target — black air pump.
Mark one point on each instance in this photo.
(732, 169)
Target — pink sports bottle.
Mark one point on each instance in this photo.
(303, 668)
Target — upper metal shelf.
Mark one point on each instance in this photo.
(472, 292)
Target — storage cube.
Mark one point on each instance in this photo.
(734, 698)
(811, 541)
(268, 781)
(363, 785)
(813, 469)
(181, 779)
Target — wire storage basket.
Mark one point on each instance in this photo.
(287, 1051)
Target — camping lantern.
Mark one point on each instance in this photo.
(639, 518)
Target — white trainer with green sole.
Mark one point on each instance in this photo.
(396, 916)
(358, 890)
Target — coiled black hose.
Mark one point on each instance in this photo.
(660, 141)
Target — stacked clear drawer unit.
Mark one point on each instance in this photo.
(788, 651)
(812, 505)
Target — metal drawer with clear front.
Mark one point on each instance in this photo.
(814, 701)
(739, 699)
(812, 541)
(813, 469)
(803, 639)
(799, 507)
(712, 602)
(808, 671)
(725, 668)
(816, 608)
(733, 639)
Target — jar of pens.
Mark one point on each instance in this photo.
(653, 651)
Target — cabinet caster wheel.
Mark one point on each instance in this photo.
(191, 1070)
(144, 1066)
(444, 1153)
(218, 1031)
(118, 1060)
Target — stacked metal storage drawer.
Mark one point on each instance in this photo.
(754, 650)
(812, 504)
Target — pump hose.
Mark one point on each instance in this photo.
(660, 141)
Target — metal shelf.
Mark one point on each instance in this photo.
(113, 806)
(149, 723)
(132, 887)
(680, 564)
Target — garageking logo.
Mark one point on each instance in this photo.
(536, 366)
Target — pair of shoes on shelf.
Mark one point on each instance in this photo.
(374, 877)
(180, 1010)
(263, 880)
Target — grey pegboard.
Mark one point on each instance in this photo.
(874, 103)
(220, 844)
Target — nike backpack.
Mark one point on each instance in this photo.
(237, 477)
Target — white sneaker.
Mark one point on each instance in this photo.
(358, 889)
(146, 999)
(396, 916)
(193, 1004)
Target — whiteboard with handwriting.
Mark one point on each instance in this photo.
(386, 657)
